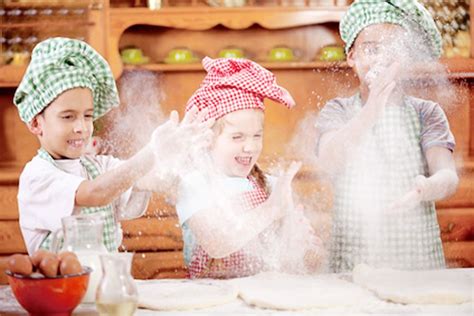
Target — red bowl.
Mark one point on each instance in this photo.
(49, 296)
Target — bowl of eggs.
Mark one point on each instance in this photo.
(47, 283)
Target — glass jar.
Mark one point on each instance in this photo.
(82, 234)
(117, 293)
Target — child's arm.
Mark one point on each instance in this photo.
(109, 185)
(442, 182)
(222, 232)
(334, 146)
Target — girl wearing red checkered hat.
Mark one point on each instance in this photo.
(229, 213)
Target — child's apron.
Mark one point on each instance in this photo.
(381, 170)
(107, 211)
(237, 264)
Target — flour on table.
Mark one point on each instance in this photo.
(184, 294)
(447, 286)
(299, 292)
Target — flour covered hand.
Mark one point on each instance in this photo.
(174, 143)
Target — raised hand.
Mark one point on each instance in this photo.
(281, 198)
(174, 143)
(382, 82)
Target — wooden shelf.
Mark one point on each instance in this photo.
(456, 67)
(48, 3)
(64, 24)
(268, 65)
(203, 18)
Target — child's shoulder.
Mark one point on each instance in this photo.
(37, 166)
(424, 108)
(342, 102)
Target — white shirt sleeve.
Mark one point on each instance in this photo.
(45, 195)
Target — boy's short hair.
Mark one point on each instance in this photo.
(59, 64)
(409, 14)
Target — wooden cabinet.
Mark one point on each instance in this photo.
(155, 88)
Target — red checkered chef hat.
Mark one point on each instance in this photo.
(233, 84)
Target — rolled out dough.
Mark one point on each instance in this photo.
(447, 286)
(184, 294)
(299, 292)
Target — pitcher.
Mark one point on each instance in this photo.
(117, 294)
(82, 234)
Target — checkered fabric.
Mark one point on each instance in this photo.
(407, 13)
(381, 170)
(233, 84)
(107, 212)
(59, 64)
(237, 264)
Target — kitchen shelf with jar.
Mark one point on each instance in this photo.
(24, 23)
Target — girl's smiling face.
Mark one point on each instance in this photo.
(239, 141)
(65, 127)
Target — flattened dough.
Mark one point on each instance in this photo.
(298, 292)
(184, 294)
(447, 286)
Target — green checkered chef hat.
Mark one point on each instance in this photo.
(59, 64)
(409, 14)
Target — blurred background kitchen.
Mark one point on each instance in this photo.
(155, 47)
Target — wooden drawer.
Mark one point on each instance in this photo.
(146, 226)
(157, 265)
(8, 202)
(456, 224)
(3, 267)
(459, 254)
(11, 240)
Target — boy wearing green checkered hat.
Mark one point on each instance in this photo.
(391, 154)
(66, 86)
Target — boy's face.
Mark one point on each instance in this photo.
(65, 127)
(239, 143)
(378, 45)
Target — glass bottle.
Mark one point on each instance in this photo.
(117, 293)
(83, 236)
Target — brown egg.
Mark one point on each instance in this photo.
(38, 256)
(70, 265)
(65, 254)
(20, 264)
(49, 266)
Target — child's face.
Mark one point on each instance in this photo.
(377, 45)
(65, 127)
(238, 143)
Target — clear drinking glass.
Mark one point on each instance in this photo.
(117, 293)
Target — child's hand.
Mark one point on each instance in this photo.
(281, 198)
(381, 86)
(173, 142)
(433, 188)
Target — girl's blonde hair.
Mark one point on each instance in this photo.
(256, 172)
